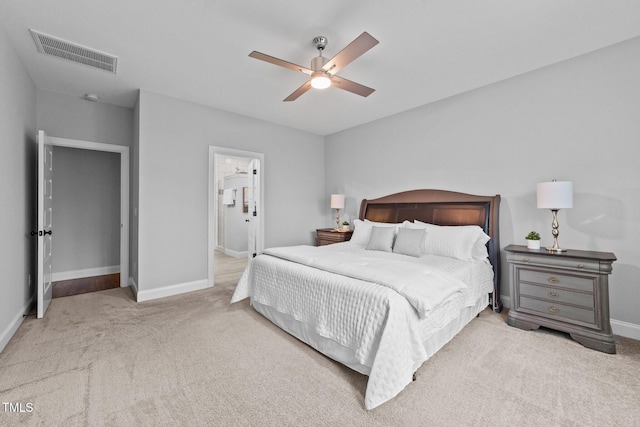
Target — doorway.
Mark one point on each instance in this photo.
(119, 154)
(86, 185)
(235, 211)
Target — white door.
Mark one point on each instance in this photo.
(254, 207)
(45, 221)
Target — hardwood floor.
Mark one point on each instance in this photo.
(227, 268)
(65, 288)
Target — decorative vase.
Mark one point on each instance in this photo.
(533, 244)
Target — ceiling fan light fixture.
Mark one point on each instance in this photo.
(323, 71)
(320, 80)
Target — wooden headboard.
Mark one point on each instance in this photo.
(443, 208)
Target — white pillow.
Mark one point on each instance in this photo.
(479, 250)
(409, 224)
(409, 241)
(362, 230)
(385, 224)
(465, 242)
(381, 239)
(418, 225)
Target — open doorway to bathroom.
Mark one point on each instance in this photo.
(235, 212)
(232, 216)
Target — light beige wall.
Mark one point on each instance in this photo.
(17, 186)
(576, 120)
(174, 139)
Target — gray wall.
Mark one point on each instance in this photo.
(174, 139)
(86, 212)
(76, 118)
(576, 120)
(17, 183)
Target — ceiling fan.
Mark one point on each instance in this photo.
(323, 70)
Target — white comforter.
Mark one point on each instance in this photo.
(337, 293)
(421, 284)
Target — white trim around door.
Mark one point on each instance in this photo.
(123, 150)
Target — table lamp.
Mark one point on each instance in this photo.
(337, 203)
(555, 195)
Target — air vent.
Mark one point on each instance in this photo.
(74, 52)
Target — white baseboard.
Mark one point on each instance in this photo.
(13, 326)
(236, 254)
(87, 272)
(167, 291)
(625, 329)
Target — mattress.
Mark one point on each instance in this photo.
(367, 326)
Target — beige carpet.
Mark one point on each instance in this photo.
(102, 359)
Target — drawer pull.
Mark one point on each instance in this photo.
(553, 309)
(580, 265)
(553, 294)
(525, 259)
(553, 279)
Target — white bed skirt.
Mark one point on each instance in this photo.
(306, 333)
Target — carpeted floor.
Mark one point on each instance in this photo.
(103, 359)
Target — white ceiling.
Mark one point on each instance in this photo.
(197, 50)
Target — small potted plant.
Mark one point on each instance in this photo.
(533, 240)
(345, 225)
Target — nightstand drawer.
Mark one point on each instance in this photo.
(572, 263)
(555, 295)
(552, 278)
(328, 236)
(553, 310)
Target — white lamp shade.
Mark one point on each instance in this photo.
(555, 195)
(337, 201)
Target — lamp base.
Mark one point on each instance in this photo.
(555, 233)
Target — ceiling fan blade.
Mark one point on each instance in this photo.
(360, 45)
(296, 94)
(353, 87)
(279, 62)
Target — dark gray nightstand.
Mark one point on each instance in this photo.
(567, 291)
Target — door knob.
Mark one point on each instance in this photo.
(48, 232)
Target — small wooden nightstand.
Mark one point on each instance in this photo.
(327, 236)
(567, 291)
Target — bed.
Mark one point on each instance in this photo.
(386, 301)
